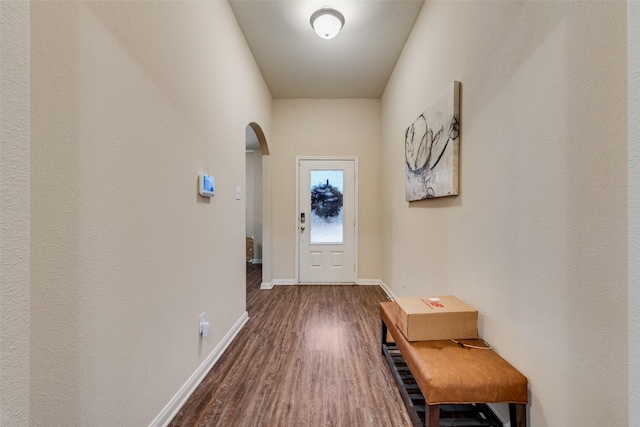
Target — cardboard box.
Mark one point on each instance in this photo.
(435, 318)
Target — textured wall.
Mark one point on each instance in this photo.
(312, 127)
(14, 214)
(536, 239)
(130, 101)
(634, 209)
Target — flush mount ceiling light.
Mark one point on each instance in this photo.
(327, 22)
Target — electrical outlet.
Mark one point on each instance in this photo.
(204, 327)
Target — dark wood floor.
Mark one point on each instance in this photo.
(308, 356)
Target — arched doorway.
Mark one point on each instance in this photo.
(258, 201)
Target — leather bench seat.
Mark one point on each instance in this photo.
(448, 373)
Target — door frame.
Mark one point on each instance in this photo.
(355, 207)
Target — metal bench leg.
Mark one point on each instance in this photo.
(384, 336)
(518, 415)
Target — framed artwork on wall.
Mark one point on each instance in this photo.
(431, 145)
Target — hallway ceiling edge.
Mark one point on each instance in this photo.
(296, 63)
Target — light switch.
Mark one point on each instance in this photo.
(238, 193)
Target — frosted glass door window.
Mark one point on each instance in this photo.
(327, 218)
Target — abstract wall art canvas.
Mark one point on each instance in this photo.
(431, 145)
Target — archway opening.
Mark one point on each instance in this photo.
(258, 207)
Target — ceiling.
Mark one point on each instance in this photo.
(296, 63)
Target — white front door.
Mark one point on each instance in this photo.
(326, 221)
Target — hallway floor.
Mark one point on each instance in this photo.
(308, 356)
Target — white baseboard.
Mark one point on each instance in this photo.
(174, 405)
(278, 282)
(387, 290)
(368, 282)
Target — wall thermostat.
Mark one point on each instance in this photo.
(206, 185)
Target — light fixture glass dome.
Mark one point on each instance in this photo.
(327, 22)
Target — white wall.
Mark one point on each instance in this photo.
(267, 238)
(14, 214)
(254, 201)
(130, 101)
(249, 194)
(323, 127)
(257, 205)
(535, 238)
(634, 208)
